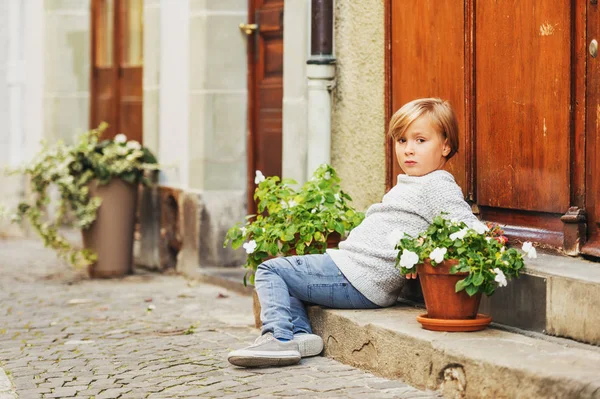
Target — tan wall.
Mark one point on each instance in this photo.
(358, 120)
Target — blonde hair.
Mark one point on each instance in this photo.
(439, 111)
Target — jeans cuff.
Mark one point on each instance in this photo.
(281, 333)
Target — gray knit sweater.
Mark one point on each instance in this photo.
(367, 257)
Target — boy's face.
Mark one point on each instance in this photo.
(422, 149)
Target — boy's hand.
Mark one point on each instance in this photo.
(411, 276)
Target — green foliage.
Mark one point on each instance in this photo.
(294, 221)
(70, 169)
(480, 251)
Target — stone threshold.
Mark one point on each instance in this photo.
(493, 363)
(557, 295)
(499, 362)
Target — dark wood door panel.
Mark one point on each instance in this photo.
(265, 91)
(117, 78)
(523, 106)
(105, 106)
(131, 103)
(428, 60)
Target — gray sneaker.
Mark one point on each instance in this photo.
(309, 344)
(266, 351)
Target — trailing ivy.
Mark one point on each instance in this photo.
(71, 168)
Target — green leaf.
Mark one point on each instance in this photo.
(478, 279)
(471, 290)
(460, 285)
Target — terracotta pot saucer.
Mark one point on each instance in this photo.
(453, 325)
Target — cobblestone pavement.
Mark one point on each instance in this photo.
(144, 336)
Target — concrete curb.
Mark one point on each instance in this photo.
(494, 363)
(7, 390)
(488, 364)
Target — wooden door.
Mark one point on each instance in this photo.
(515, 72)
(117, 61)
(265, 91)
(437, 47)
(591, 164)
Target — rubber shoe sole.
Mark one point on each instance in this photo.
(309, 344)
(244, 358)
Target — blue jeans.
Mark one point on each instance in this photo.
(284, 285)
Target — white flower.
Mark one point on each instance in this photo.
(502, 250)
(259, 177)
(488, 239)
(250, 246)
(408, 259)
(314, 210)
(327, 176)
(120, 138)
(480, 228)
(337, 197)
(394, 237)
(454, 221)
(529, 250)
(459, 234)
(437, 255)
(289, 204)
(243, 230)
(500, 278)
(134, 145)
(151, 307)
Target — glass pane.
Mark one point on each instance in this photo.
(104, 33)
(133, 32)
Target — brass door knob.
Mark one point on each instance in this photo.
(248, 29)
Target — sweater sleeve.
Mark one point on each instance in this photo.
(444, 195)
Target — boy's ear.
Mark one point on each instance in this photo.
(446, 150)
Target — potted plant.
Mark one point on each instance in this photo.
(456, 265)
(96, 182)
(294, 221)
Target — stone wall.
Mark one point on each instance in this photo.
(67, 68)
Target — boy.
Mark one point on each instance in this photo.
(361, 273)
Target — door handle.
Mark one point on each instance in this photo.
(594, 48)
(248, 29)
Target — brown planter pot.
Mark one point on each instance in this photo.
(111, 234)
(441, 299)
(332, 242)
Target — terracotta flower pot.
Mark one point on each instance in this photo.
(441, 299)
(111, 234)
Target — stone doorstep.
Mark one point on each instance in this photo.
(557, 295)
(487, 364)
(493, 363)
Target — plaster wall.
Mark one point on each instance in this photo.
(218, 95)
(151, 71)
(217, 123)
(67, 68)
(4, 92)
(296, 36)
(358, 120)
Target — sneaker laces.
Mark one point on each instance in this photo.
(263, 338)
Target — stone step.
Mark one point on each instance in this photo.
(556, 295)
(492, 363)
